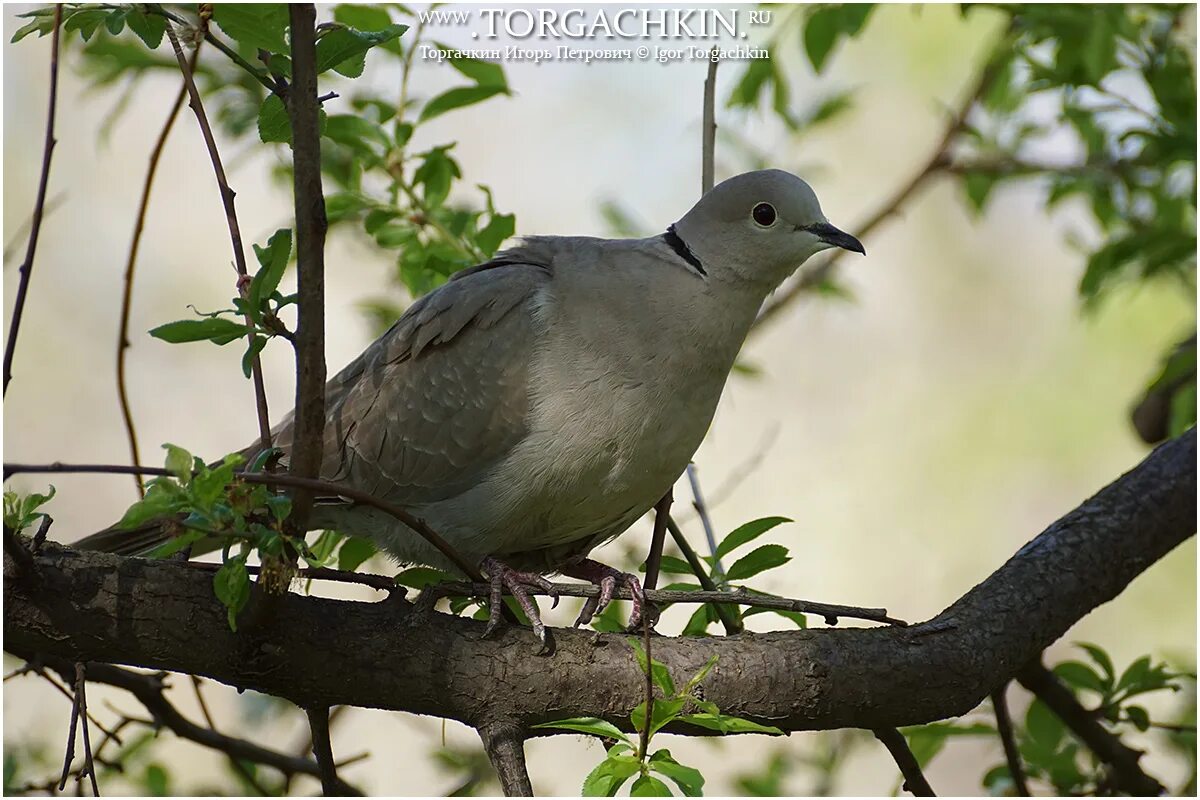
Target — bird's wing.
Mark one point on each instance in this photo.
(440, 397)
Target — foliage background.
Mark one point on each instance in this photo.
(918, 435)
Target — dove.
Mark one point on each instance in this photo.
(536, 405)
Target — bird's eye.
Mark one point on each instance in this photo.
(764, 214)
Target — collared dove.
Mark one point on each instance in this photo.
(535, 406)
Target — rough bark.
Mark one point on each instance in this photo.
(321, 652)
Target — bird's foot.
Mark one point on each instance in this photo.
(607, 578)
(502, 577)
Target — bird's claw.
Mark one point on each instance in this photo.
(607, 579)
(501, 577)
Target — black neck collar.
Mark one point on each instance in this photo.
(682, 250)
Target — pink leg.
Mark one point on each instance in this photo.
(607, 578)
(504, 577)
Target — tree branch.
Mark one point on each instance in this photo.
(914, 779)
(39, 206)
(101, 607)
(504, 744)
(1127, 774)
(130, 264)
(1004, 727)
(235, 236)
(311, 224)
(148, 690)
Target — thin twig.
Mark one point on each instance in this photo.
(70, 754)
(318, 723)
(311, 224)
(39, 206)
(937, 162)
(237, 765)
(829, 611)
(235, 235)
(10, 246)
(708, 136)
(270, 479)
(654, 559)
(1004, 727)
(130, 265)
(148, 690)
(705, 521)
(89, 765)
(730, 617)
(914, 779)
(1128, 775)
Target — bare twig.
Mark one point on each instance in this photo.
(130, 265)
(1127, 774)
(937, 162)
(504, 744)
(269, 479)
(1004, 727)
(708, 138)
(311, 224)
(89, 765)
(654, 559)
(39, 206)
(914, 779)
(318, 724)
(237, 765)
(10, 247)
(148, 690)
(702, 513)
(829, 611)
(730, 617)
(235, 235)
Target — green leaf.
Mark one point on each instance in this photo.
(420, 577)
(253, 348)
(256, 25)
(232, 587)
(272, 260)
(689, 780)
(649, 786)
(148, 27)
(483, 73)
(658, 671)
(592, 725)
(610, 775)
(1043, 726)
(1102, 660)
(345, 49)
(273, 122)
(179, 462)
(760, 559)
(499, 228)
(457, 98)
(1080, 675)
(363, 17)
(354, 552)
(747, 533)
(215, 329)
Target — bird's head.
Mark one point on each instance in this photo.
(759, 227)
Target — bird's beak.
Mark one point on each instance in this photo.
(838, 238)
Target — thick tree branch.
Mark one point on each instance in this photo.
(100, 607)
(39, 206)
(1127, 774)
(303, 111)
